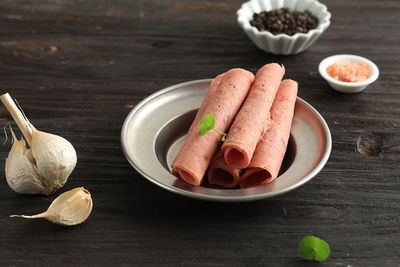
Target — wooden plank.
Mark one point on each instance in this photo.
(78, 67)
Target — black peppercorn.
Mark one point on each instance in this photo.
(284, 21)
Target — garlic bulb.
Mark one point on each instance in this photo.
(70, 208)
(43, 168)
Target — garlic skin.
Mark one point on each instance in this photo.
(70, 208)
(21, 172)
(44, 168)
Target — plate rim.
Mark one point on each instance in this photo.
(194, 195)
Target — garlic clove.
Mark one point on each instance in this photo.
(70, 208)
(21, 173)
(55, 159)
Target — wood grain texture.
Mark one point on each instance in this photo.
(78, 67)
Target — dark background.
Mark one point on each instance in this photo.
(77, 67)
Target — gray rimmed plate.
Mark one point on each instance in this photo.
(155, 129)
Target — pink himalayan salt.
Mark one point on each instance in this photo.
(349, 71)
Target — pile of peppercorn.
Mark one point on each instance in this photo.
(284, 21)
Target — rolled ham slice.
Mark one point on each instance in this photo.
(206, 100)
(270, 151)
(221, 174)
(250, 123)
(197, 151)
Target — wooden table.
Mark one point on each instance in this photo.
(78, 67)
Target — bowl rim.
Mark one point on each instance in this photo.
(244, 22)
(335, 58)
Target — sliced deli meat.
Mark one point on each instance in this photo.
(270, 151)
(197, 151)
(221, 174)
(206, 100)
(250, 123)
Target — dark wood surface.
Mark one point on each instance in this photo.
(77, 67)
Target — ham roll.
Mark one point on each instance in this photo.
(250, 123)
(270, 151)
(221, 174)
(206, 100)
(197, 151)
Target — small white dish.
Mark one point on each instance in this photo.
(348, 87)
(283, 44)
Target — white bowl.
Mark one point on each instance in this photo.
(283, 44)
(348, 87)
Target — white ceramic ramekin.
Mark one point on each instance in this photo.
(283, 44)
(348, 87)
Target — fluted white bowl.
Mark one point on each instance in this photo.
(283, 44)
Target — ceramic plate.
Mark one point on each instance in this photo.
(155, 129)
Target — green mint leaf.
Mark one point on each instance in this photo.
(206, 124)
(311, 247)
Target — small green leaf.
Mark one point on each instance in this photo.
(311, 247)
(206, 124)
